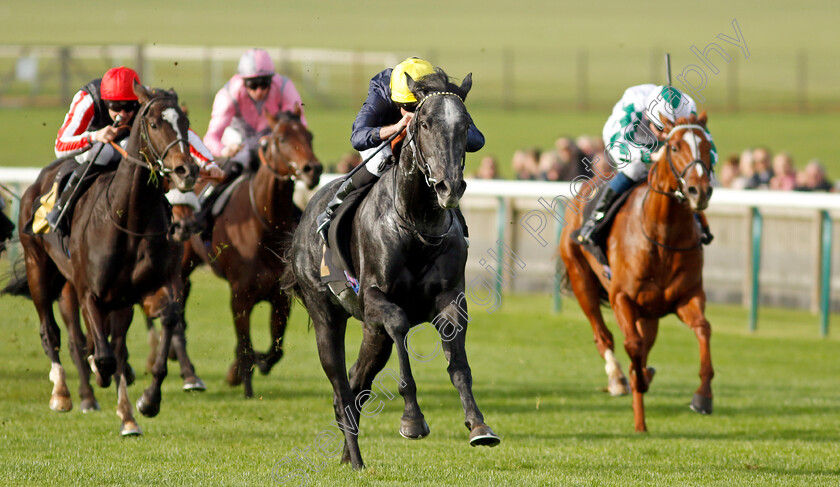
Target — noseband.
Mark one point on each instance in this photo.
(414, 140)
(294, 175)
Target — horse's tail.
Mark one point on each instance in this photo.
(17, 285)
(288, 280)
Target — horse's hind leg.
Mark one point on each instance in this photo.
(691, 312)
(104, 362)
(379, 311)
(453, 339)
(120, 320)
(69, 307)
(40, 272)
(192, 382)
(280, 307)
(329, 335)
(373, 355)
(587, 290)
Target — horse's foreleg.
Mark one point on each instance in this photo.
(69, 307)
(39, 272)
(451, 323)
(149, 403)
(691, 312)
(587, 289)
(192, 382)
(120, 320)
(242, 369)
(373, 355)
(626, 313)
(379, 311)
(280, 308)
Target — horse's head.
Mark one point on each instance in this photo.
(438, 134)
(163, 130)
(685, 161)
(287, 151)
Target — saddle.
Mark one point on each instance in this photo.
(38, 222)
(337, 269)
(599, 249)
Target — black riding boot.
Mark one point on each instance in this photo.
(76, 187)
(359, 179)
(591, 228)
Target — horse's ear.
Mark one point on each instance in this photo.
(297, 111)
(466, 84)
(667, 124)
(702, 119)
(409, 81)
(272, 120)
(185, 109)
(142, 92)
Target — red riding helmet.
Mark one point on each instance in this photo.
(118, 84)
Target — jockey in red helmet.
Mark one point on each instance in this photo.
(89, 127)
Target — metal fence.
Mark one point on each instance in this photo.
(566, 78)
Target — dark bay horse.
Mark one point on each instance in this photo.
(409, 253)
(656, 260)
(119, 252)
(249, 237)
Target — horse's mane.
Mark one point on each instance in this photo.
(437, 81)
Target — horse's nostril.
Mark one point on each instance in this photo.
(180, 171)
(692, 190)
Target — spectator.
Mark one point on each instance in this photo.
(813, 178)
(488, 168)
(571, 159)
(763, 169)
(551, 169)
(348, 162)
(746, 168)
(729, 172)
(526, 164)
(784, 178)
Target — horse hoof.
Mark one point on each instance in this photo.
(649, 373)
(89, 405)
(618, 387)
(233, 377)
(482, 435)
(61, 404)
(147, 408)
(414, 429)
(130, 428)
(701, 404)
(194, 385)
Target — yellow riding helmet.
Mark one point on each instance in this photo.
(416, 68)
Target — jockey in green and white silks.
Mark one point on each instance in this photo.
(633, 132)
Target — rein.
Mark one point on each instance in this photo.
(676, 194)
(293, 176)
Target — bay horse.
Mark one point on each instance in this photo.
(249, 236)
(656, 263)
(409, 253)
(118, 254)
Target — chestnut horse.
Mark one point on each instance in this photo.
(249, 236)
(656, 263)
(120, 254)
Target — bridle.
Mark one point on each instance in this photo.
(679, 177)
(292, 176)
(413, 139)
(153, 161)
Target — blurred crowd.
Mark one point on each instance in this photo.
(755, 168)
(758, 168)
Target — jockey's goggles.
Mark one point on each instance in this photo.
(257, 83)
(122, 105)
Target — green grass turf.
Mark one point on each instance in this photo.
(537, 380)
